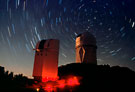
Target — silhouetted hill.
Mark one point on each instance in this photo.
(92, 77)
(100, 77)
(14, 83)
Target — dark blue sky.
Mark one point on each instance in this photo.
(24, 22)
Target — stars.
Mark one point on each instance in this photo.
(24, 5)
(13, 28)
(122, 29)
(81, 6)
(33, 46)
(94, 1)
(25, 22)
(9, 31)
(18, 2)
(64, 55)
(95, 18)
(7, 5)
(60, 2)
(133, 59)
(65, 9)
(133, 24)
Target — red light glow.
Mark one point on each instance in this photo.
(49, 79)
(61, 83)
(73, 81)
(50, 85)
(49, 88)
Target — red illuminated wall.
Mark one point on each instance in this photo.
(46, 60)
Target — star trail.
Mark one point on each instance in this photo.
(24, 22)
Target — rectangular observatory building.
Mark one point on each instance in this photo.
(46, 60)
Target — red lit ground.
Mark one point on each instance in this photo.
(50, 86)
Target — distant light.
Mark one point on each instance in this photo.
(37, 89)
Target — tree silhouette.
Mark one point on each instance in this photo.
(10, 82)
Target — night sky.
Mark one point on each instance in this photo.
(24, 22)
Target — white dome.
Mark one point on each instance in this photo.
(85, 38)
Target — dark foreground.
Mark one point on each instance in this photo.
(92, 77)
(101, 77)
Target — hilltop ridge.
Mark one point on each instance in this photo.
(100, 77)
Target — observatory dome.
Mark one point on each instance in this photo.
(86, 39)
